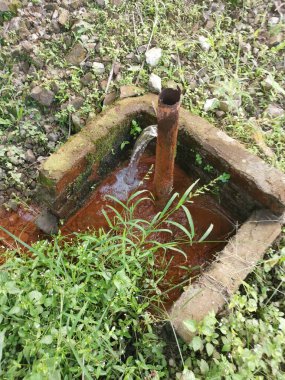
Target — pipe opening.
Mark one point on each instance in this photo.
(169, 96)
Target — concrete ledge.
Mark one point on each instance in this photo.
(263, 182)
(224, 276)
(68, 174)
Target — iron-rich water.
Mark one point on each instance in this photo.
(204, 211)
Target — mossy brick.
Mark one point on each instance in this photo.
(67, 170)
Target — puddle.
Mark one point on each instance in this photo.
(20, 224)
(204, 211)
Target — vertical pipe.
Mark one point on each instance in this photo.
(167, 121)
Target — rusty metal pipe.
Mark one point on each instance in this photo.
(167, 130)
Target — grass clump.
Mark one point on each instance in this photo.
(80, 309)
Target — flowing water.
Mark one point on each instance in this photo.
(142, 142)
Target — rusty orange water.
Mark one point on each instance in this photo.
(204, 211)
(20, 224)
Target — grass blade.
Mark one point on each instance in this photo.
(190, 221)
(182, 228)
(186, 194)
(18, 240)
(207, 233)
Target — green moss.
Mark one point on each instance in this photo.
(46, 181)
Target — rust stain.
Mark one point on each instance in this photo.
(167, 121)
(22, 225)
(71, 175)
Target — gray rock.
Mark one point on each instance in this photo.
(76, 103)
(2, 174)
(220, 113)
(276, 39)
(130, 56)
(48, 128)
(4, 6)
(224, 106)
(29, 156)
(142, 49)
(87, 79)
(76, 55)
(129, 91)
(274, 110)
(98, 68)
(63, 17)
(53, 137)
(3, 186)
(12, 205)
(117, 3)
(116, 68)
(27, 46)
(101, 3)
(47, 222)
(193, 84)
(24, 67)
(75, 4)
(210, 24)
(110, 98)
(2, 200)
(41, 159)
(172, 84)
(13, 158)
(42, 95)
(154, 83)
(38, 62)
(77, 123)
(103, 84)
(80, 24)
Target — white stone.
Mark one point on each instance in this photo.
(211, 104)
(273, 21)
(275, 111)
(98, 68)
(204, 43)
(154, 83)
(153, 56)
(4, 6)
